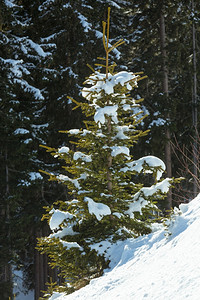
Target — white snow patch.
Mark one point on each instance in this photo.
(21, 131)
(98, 209)
(70, 245)
(58, 217)
(107, 110)
(116, 150)
(68, 230)
(29, 88)
(38, 48)
(151, 161)
(82, 156)
(136, 206)
(120, 132)
(99, 82)
(35, 176)
(86, 25)
(10, 4)
(63, 150)
(74, 131)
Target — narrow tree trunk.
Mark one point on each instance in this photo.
(37, 272)
(166, 93)
(194, 108)
(109, 175)
(109, 159)
(7, 268)
(41, 268)
(43, 272)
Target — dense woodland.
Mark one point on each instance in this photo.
(45, 47)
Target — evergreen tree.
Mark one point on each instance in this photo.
(107, 201)
(22, 129)
(41, 54)
(173, 112)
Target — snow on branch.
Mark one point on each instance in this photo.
(29, 88)
(146, 164)
(58, 217)
(98, 209)
(100, 83)
(140, 198)
(107, 110)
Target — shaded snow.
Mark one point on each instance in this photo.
(35, 176)
(58, 217)
(10, 4)
(82, 156)
(18, 290)
(157, 266)
(21, 131)
(116, 150)
(63, 150)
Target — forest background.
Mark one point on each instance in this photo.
(45, 47)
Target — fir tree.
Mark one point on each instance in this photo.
(108, 201)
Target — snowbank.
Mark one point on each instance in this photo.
(159, 266)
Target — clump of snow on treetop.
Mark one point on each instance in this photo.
(100, 83)
(158, 266)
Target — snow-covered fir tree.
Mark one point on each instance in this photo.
(108, 199)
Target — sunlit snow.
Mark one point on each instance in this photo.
(150, 161)
(100, 83)
(106, 110)
(160, 266)
(98, 209)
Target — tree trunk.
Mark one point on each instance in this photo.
(166, 93)
(42, 272)
(194, 108)
(6, 267)
(109, 158)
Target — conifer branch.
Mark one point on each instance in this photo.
(117, 44)
(138, 73)
(100, 65)
(108, 26)
(104, 32)
(49, 149)
(101, 58)
(139, 100)
(91, 68)
(141, 78)
(63, 131)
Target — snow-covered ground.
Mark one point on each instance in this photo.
(164, 265)
(18, 291)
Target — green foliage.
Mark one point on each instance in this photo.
(51, 287)
(107, 201)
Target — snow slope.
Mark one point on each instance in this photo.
(158, 266)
